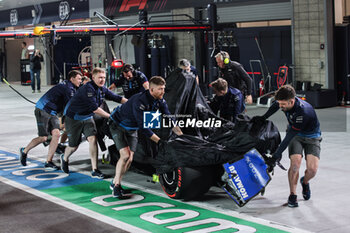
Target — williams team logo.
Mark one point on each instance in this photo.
(151, 119)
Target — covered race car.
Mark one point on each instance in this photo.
(212, 151)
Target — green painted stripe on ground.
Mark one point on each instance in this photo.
(83, 194)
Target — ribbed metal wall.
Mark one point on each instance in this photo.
(259, 12)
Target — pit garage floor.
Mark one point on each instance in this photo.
(326, 211)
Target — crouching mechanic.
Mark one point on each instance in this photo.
(46, 110)
(126, 119)
(79, 118)
(303, 133)
(228, 100)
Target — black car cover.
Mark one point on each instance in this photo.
(202, 146)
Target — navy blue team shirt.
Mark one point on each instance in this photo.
(130, 114)
(87, 99)
(302, 121)
(133, 86)
(55, 99)
(230, 105)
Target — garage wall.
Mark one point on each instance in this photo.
(271, 11)
(309, 37)
(45, 73)
(13, 56)
(98, 51)
(184, 42)
(124, 49)
(122, 45)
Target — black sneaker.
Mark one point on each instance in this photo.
(64, 164)
(306, 189)
(97, 174)
(292, 201)
(50, 166)
(117, 192)
(22, 157)
(111, 186)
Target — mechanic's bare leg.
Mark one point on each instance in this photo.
(293, 172)
(34, 142)
(311, 167)
(68, 152)
(93, 151)
(120, 169)
(127, 164)
(53, 144)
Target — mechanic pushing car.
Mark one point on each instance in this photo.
(47, 108)
(303, 133)
(79, 114)
(126, 119)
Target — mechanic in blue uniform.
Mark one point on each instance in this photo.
(303, 133)
(186, 66)
(126, 119)
(79, 114)
(131, 81)
(235, 75)
(61, 146)
(46, 110)
(228, 100)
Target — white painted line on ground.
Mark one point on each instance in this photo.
(76, 208)
(232, 213)
(194, 203)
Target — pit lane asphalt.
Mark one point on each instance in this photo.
(327, 210)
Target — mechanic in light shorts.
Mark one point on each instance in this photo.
(303, 134)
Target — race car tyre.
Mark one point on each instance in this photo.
(187, 183)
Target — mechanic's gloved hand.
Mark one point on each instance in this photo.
(258, 120)
(277, 156)
(271, 163)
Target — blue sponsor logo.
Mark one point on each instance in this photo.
(151, 119)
